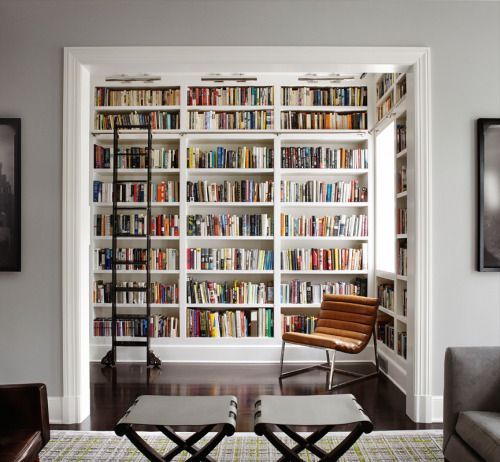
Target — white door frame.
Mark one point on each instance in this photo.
(80, 62)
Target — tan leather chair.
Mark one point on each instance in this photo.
(345, 323)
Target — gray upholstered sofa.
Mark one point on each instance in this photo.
(472, 404)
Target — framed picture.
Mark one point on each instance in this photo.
(488, 137)
(10, 194)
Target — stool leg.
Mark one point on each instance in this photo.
(332, 370)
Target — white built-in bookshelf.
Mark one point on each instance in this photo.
(392, 287)
(289, 121)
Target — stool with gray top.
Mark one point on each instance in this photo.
(165, 412)
(324, 411)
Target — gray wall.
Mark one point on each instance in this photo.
(465, 42)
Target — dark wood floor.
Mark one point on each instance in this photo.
(113, 390)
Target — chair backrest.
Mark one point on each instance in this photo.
(349, 316)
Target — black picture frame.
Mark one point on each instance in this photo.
(488, 150)
(10, 194)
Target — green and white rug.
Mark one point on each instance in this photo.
(401, 446)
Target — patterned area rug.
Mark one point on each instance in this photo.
(401, 446)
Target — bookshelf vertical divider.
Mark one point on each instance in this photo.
(183, 244)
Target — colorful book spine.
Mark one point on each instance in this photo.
(229, 259)
(321, 191)
(221, 157)
(230, 191)
(233, 120)
(326, 226)
(301, 120)
(229, 292)
(346, 259)
(325, 96)
(230, 225)
(323, 157)
(105, 96)
(230, 96)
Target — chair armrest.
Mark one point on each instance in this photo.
(25, 406)
(471, 383)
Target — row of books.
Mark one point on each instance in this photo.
(159, 120)
(230, 225)
(299, 120)
(160, 292)
(321, 191)
(305, 292)
(137, 326)
(230, 96)
(384, 108)
(136, 157)
(336, 225)
(233, 323)
(136, 259)
(137, 96)
(385, 333)
(240, 157)
(384, 83)
(401, 89)
(402, 184)
(166, 191)
(325, 96)
(386, 296)
(402, 347)
(400, 137)
(229, 259)
(323, 157)
(233, 292)
(405, 302)
(346, 259)
(402, 221)
(134, 224)
(303, 323)
(234, 120)
(402, 260)
(230, 191)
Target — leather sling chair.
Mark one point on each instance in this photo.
(345, 323)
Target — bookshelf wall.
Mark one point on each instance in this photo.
(305, 153)
(395, 307)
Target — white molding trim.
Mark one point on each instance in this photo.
(437, 409)
(419, 404)
(55, 409)
(79, 62)
(76, 390)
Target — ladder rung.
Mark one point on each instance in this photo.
(127, 127)
(131, 343)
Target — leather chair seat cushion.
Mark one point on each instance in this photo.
(19, 445)
(481, 431)
(332, 342)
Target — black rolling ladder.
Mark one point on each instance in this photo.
(110, 358)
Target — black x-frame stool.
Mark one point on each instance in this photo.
(323, 411)
(166, 412)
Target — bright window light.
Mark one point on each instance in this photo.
(385, 202)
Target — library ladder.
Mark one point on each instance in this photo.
(109, 359)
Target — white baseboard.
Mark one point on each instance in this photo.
(437, 409)
(55, 409)
(259, 354)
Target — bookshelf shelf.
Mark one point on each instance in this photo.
(229, 306)
(401, 236)
(273, 138)
(133, 205)
(138, 305)
(136, 171)
(230, 238)
(324, 171)
(323, 204)
(324, 108)
(229, 108)
(323, 238)
(229, 271)
(324, 272)
(137, 108)
(386, 311)
(230, 204)
(402, 194)
(401, 153)
(228, 171)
